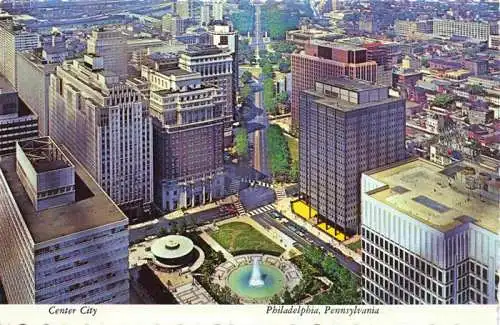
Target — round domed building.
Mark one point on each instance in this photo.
(174, 251)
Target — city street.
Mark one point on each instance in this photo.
(304, 237)
(259, 135)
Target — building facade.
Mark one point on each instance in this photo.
(17, 122)
(432, 242)
(323, 59)
(225, 37)
(346, 127)
(111, 45)
(413, 29)
(473, 30)
(33, 75)
(107, 127)
(14, 38)
(63, 241)
(173, 24)
(216, 67)
(188, 122)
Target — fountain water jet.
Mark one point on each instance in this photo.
(256, 277)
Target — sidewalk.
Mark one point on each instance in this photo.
(283, 206)
(216, 247)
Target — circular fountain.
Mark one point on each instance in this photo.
(257, 278)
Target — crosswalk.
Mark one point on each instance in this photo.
(239, 208)
(265, 208)
(280, 193)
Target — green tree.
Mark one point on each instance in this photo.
(294, 171)
(245, 93)
(267, 71)
(275, 300)
(241, 142)
(443, 100)
(282, 97)
(245, 77)
(277, 151)
(269, 97)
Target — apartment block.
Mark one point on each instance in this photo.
(188, 123)
(105, 124)
(346, 128)
(216, 67)
(430, 234)
(17, 122)
(413, 28)
(62, 240)
(322, 59)
(473, 30)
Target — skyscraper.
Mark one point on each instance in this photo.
(216, 67)
(62, 240)
(225, 37)
(188, 122)
(218, 10)
(105, 125)
(430, 234)
(14, 38)
(33, 76)
(17, 122)
(322, 59)
(346, 128)
(184, 8)
(173, 24)
(205, 16)
(111, 45)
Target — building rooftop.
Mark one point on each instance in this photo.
(172, 246)
(93, 208)
(359, 95)
(5, 86)
(200, 50)
(439, 197)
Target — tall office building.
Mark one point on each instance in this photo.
(14, 38)
(184, 9)
(33, 76)
(188, 122)
(322, 59)
(346, 127)
(205, 16)
(173, 24)
(106, 126)
(111, 45)
(17, 122)
(216, 67)
(430, 234)
(218, 10)
(474, 30)
(225, 37)
(62, 240)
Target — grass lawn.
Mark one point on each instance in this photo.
(239, 236)
(293, 146)
(354, 246)
(254, 70)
